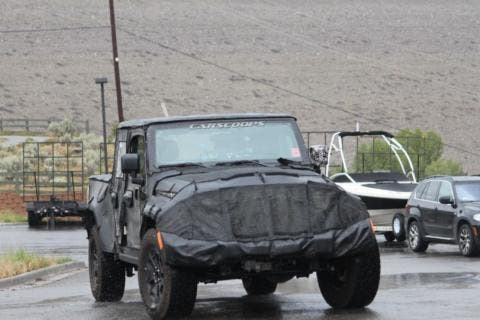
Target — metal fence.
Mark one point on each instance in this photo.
(37, 125)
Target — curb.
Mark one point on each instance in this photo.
(35, 275)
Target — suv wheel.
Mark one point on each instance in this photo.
(398, 227)
(165, 291)
(107, 275)
(466, 242)
(259, 285)
(351, 282)
(415, 238)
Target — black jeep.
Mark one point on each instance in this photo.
(209, 198)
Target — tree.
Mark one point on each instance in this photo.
(444, 167)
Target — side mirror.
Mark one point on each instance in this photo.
(319, 155)
(130, 163)
(445, 200)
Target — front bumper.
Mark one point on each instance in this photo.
(330, 244)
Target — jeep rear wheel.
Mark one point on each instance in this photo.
(165, 291)
(107, 275)
(351, 282)
(259, 285)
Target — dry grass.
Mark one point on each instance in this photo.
(20, 261)
(12, 217)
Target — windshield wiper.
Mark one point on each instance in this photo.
(294, 164)
(182, 165)
(240, 162)
(287, 162)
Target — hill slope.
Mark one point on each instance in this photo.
(387, 64)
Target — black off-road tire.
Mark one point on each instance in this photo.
(259, 285)
(34, 220)
(415, 238)
(389, 236)
(466, 241)
(398, 227)
(351, 282)
(107, 275)
(165, 291)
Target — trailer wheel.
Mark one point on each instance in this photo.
(165, 291)
(398, 227)
(259, 285)
(107, 275)
(389, 236)
(351, 282)
(34, 220)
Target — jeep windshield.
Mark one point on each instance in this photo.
(234, 142)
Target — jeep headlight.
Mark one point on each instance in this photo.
(476, 217)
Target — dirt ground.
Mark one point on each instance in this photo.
(388, 64)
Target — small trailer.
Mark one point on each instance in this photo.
(53, 181)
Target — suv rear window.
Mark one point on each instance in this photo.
(431, 191)
(419, 190)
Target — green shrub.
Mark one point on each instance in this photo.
(444, 167)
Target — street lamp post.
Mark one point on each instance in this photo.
(102, 82)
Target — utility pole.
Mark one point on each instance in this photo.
(116, 66)
(101, 82)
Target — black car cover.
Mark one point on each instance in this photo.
(266, 215)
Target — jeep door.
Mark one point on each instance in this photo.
(134, 197)
(445, 213)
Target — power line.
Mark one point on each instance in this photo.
(277, 87)
(54, 29)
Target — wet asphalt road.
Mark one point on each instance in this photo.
(438, 285)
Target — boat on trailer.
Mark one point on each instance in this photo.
(385, 192)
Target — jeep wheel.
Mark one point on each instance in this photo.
(165, 291)
(415, 238)
(466, 242)
(259, 285)
(351, 282)
(398, 227)
(107, 275)
(34, 220)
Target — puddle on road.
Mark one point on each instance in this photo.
(444, 280)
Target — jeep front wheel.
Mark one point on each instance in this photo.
(259, 285)
(107, 275)
(350, 282)
(165, 291)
